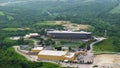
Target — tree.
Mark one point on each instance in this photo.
(21, 41)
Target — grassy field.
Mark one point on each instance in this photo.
(10, 17)
(50, 65)
(10, 29)
(15, 55)
(1, 13)
(67, 43)
(15, 29)
(47, 23)
(107, 45)
(116, 9)
(11, 59)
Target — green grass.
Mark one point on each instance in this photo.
(47, 23)
(116, 9)
(10, 29)
(68, 43)
(15, 55)
(2, 13)
(10, 17)
(107, 45)
(50, 65)
(10, 54)
(10, 59)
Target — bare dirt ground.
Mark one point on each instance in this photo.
(72, 26)
(112, 60)
(108, 58)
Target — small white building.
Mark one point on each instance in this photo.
(65, 48)
(31, 35)
(15, 38)
(70, 56)
(34, 34)
(37, 49)
(27, 36)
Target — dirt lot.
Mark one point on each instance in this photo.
(107, 59)
(72, 26)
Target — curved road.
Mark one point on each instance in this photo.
(29, 57)
(93, 43)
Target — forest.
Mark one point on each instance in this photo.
(100, 14)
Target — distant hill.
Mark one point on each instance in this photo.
(58, 9)
(1, 1)
(116, 10)
(100, 14)
(6, 0)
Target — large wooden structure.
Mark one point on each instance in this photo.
(69, 35)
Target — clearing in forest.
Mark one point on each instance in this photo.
(67, 25)
(109, 59)
(72, 26)
(115, 10)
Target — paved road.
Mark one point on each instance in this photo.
(29, 57)
(93, 43)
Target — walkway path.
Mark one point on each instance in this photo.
(35, 42)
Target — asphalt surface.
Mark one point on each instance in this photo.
(29, 57)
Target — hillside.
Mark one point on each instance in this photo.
(101, 15)
(82, 11)
(116, 10)
(89, 12)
